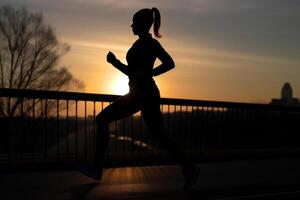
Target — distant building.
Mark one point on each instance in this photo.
(286, 97)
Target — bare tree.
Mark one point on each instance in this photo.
(29, 56)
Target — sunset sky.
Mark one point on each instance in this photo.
(224, 50)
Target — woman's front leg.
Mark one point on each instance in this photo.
(122, 108)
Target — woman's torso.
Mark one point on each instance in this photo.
(140, 58)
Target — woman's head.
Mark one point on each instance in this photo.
(143, 20)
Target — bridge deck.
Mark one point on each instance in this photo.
(253, 179)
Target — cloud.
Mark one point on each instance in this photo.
(204, 6)
(202, 54)
(255, 7)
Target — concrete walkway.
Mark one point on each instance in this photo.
(255, 179)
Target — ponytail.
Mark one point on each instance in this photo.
(156, 20)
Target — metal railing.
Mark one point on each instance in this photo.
(50, 126)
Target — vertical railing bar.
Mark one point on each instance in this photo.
(198, 132)
(57, 128)
(212, 120)
(230, 129)
(205, 135)
(215, 121)
(191, 134)
(236, 118)
(184, 126)
(245, 120)
(188, 127)
(175, 129)
(201, 126)
(226, 129)
(23, 132)
(242, 118)
(9, 132)
(218, 124)
(33, 129)
(76, 130)
(215, 128)
(240, 115)
(181, 131)
(205, 127)
(46, 126)
(85, 130)
(212, 116)
(67, 136)
(221, 130)
(94, 127)
(41, 121)
(168, 120)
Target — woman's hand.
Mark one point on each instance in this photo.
(111, 58)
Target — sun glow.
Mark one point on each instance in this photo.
(120, 86)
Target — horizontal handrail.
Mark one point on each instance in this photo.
(78, 96)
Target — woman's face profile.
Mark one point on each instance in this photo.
(138, 26)
(135, 27)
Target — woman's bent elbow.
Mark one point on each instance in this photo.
(172, 64)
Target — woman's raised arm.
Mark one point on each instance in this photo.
(111, 58)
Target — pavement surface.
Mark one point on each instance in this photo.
(252, 179)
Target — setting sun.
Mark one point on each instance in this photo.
(120, 85)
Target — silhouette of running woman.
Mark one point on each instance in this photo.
(143, 94)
